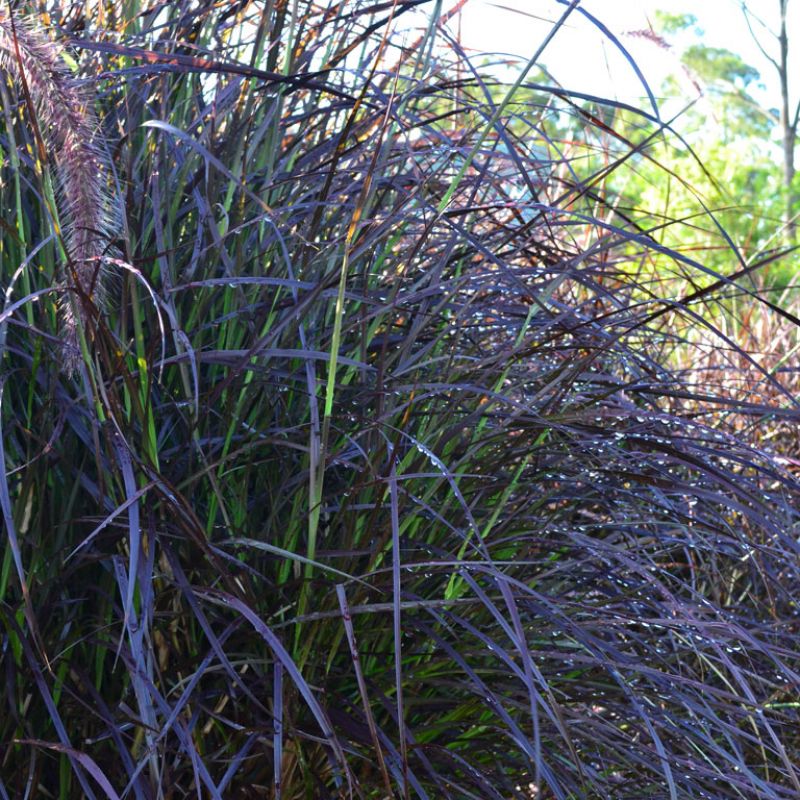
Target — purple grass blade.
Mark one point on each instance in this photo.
(277, 729)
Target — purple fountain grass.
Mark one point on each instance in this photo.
(67, 130)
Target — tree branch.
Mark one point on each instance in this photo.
(796, 118)
(747, 13)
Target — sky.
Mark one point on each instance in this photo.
(582, 59)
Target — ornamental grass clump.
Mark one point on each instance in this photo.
(413, 498)
(59, 109)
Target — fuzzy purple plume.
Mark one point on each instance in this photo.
(68, 129)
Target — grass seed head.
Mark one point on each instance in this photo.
(68, 133)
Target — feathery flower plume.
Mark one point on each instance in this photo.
(68, 129)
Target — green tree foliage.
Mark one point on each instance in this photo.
(725, 73)
(719, 156)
